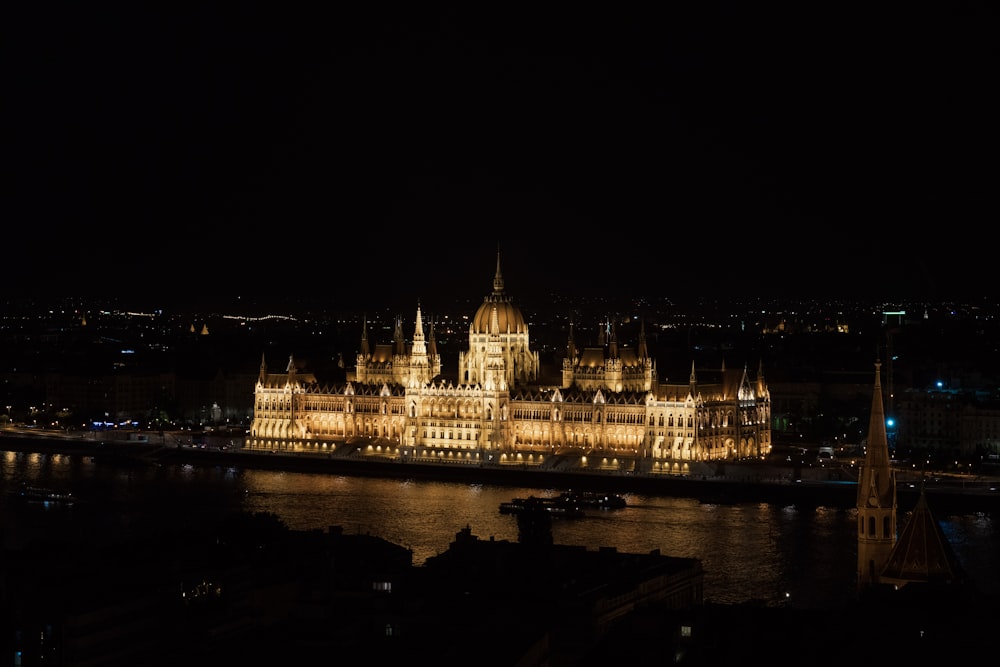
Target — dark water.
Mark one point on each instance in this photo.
(749, 551)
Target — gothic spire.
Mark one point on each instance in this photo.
(877, 453)
(419, 347)
(365, 350)
(397, 337)
(642, 351)
(419, 328)
(498, 277)
(431, 344)
(570, 345)
(876, 497)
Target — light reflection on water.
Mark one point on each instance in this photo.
(749, 551)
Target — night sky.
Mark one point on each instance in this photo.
(350, 153)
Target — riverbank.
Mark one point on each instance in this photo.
(723, 483)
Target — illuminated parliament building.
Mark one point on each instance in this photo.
(608, 412)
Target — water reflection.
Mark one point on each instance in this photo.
(749, 551)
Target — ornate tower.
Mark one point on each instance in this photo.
(571, 360)
(424, 364)
(876, 498)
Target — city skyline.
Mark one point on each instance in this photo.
(660, 153)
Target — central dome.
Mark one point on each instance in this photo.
(509, 317)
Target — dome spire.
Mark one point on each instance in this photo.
(498, 278)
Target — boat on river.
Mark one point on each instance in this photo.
(556, 507)
(44, 495)
(594, 500)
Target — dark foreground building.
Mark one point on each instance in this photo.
(250, 592)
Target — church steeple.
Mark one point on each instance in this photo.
(876, 497)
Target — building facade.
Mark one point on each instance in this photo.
(609, 411)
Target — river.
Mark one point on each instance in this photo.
(751, 551)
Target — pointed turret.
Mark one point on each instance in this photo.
(433, 358)
(642, 351)
(366, 351)
(419, 346)
(262, 374)
(745, 391)
(419, 364)
(399, 342)
(571, 345)
(570, 361)
(432, 349)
